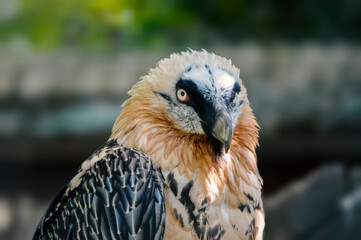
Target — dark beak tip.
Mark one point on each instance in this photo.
(227, 146)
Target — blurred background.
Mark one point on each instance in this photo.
(66, 67)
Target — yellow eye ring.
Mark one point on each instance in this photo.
(182, 95)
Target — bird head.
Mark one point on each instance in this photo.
(197, 93)
(204, 99)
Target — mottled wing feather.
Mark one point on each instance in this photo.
(119, 196)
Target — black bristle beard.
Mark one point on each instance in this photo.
(217, 147)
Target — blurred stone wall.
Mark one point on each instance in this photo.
(325, 205)
(286, 84)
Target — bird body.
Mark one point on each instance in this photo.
(190, 120)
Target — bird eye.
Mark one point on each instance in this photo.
(182, 95)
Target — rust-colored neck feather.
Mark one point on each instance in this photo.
(144, 124)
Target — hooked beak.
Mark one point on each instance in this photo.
(223, 129)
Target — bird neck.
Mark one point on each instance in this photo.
(145, 126)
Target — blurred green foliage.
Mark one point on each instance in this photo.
(110, 24)
(94, 23)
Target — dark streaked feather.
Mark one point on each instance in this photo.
(120, 196)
